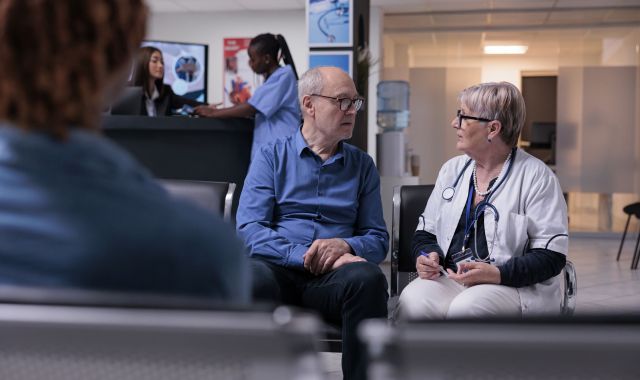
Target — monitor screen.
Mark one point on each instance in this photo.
(185, 67)
(128, 102)
(542, 134)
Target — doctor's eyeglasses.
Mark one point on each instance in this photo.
(460, 117)
(344, 103)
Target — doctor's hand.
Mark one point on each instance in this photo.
(428, 267)
(323, 253)
(474, 273)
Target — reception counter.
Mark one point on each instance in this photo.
(186, 148)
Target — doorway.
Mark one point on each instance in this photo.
(539, 131)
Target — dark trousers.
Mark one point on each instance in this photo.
(344, 296)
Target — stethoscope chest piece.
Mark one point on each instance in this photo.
(448, 193)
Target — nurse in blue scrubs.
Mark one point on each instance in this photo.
(274, 104)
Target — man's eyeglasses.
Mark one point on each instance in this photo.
(345, 103)
(460, 116)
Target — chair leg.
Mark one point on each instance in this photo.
(636, 253)
(624, 235)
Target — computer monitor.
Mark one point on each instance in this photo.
(129, 102)
(542, 135)
(185, 67)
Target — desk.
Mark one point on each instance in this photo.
(177, 147)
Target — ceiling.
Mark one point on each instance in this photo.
(493, 16)
(222, 5)
(548, 28)
(458, 27)
(420, 16)
(388, 6)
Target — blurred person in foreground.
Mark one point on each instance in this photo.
(76, 211)
(311, 216)
(496, 221)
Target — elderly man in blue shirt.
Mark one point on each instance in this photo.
(311, 216)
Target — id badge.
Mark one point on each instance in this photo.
(462, 256)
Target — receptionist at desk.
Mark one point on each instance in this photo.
(157, 98)
(274, 104)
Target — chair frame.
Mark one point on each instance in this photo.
(228, 199)
(631, 210)
(77, 320)
(400, 279)
(504, 348)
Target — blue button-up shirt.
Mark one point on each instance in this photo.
(291, 198)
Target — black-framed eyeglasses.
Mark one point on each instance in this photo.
(344, 103)
(460, 116)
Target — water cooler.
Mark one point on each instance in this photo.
(393, 119)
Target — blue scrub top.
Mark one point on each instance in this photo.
(278, 110)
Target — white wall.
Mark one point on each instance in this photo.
(434, 101)
(597, 129)
(212, 27)
(375, 72)
(637, 159)
(621, 51)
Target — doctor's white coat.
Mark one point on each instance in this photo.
(531, 209)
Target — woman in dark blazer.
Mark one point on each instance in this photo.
(158, 99)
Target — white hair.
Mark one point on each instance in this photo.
(500, 101)
(311, 82)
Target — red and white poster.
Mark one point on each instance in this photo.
(239, 80)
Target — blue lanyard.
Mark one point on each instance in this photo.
(468, 224)
(484, 204)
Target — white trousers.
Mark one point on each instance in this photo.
(444, 298)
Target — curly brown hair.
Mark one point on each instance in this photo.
(59, 57)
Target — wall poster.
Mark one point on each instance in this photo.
(239, 80)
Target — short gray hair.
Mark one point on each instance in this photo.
(311, 82)
(500, 101)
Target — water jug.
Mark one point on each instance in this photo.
(393, 105)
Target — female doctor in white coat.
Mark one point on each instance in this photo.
(493, 237)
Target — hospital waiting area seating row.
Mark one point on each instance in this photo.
(73, 334)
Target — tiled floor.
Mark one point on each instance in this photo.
(604, 285)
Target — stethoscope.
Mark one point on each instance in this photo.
(341, 10)
(449, 192)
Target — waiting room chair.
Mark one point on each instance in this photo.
(331, 339)
(409, 202)
(73, 335)
(216, 197)
(551, 348)
(632, 209)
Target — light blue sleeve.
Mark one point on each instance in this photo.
(255, 216)
(274, 94)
